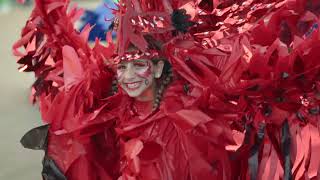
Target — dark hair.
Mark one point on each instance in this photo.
(167, 74)
(163, 82)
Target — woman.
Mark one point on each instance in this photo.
(189, 91)
(159, 140)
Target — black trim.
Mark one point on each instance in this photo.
(36, 138)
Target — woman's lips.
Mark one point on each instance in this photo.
(133, 85)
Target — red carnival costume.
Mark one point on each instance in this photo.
(243, 102)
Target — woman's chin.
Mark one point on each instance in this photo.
(133, 93)
(139, 93)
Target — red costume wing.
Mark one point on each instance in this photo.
(275, 85)
(71, 80)
(258, 62)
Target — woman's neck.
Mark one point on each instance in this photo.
(143, 104)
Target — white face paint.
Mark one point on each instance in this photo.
(137, 77)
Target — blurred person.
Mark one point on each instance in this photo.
(100, 19)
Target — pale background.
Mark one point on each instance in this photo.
(17, 116)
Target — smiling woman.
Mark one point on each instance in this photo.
(137, 78)
(199, 97)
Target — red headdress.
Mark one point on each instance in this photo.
(147, 25)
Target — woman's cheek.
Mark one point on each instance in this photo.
(145, 72)
(119, 75)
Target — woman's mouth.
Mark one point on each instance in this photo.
(133, 86)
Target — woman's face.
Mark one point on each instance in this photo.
(137, 77)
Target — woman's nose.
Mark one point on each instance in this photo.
(129, 73)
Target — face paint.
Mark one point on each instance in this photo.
(136, 77)
(120, 70)
(145, 69)
(146, 82)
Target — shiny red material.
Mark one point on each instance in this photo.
(134, 55)
(241, 74)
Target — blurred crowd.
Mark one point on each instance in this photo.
(99, 17)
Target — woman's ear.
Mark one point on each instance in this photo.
(158, 68)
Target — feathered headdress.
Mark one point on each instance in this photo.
(147, 25)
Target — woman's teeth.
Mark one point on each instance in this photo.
(133, 85)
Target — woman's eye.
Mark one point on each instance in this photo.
(121, 67)
(140, 64)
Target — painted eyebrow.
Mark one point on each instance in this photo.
(141, 60)
(134, 61)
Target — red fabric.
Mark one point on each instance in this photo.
(155, 147)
